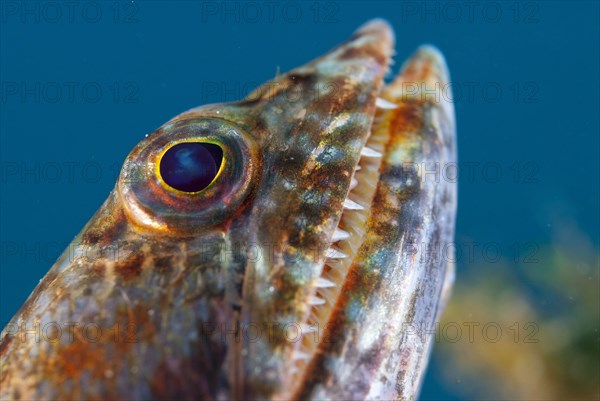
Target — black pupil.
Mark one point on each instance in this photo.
(191, 166)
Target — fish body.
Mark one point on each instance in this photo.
(308, 268)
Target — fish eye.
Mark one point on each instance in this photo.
(188, 175)
(191, 166)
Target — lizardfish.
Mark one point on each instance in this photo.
(287, 246)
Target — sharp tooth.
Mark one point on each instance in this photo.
(358, 167)
(324, 283)
(315, 300)
(353, 183)
(368, 152)
(329, 297)
(385, 104)
(351, 205)
(333, 253)
(300, 356)
(305, 328)
(339, 235)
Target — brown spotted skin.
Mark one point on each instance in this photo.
(152, 298)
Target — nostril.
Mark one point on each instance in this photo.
(191, 166)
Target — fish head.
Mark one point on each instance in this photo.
(247, 246)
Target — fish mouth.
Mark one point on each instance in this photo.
(425, 69)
